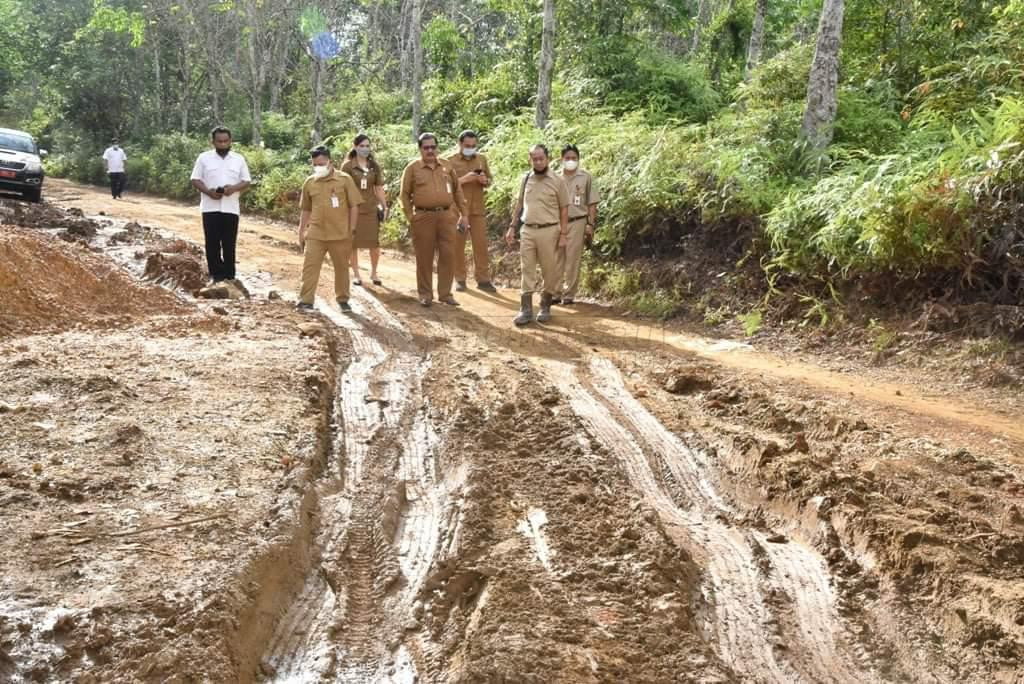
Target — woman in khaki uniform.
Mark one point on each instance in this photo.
(369, 179)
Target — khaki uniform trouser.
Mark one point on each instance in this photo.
(539, 246)
(569, 258)
(481, 259)
(313, 260)
(433, 233)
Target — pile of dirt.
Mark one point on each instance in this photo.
(51, 287)
(175, 270)
(72, 222)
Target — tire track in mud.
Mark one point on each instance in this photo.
(383, 519)
(746, 577)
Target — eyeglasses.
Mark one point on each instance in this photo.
(429, 147)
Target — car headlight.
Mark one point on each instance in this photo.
(33, 167)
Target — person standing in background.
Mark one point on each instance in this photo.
(114, 160)
(434, 205)
(474, 174)
(583, 199)
(369, 179)
(221, 176)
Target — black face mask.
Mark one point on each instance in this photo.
(224, 152)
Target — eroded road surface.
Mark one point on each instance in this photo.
(409, 495)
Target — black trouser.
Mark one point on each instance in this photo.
(117, 182)
(221, 233)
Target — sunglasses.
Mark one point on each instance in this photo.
(429, 147)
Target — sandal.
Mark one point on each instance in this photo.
(358, 282)
(377, 281)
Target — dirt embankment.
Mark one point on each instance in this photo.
(155, 455)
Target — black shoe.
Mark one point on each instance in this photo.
(568, 301)
(358, 282)
(304, 307)
(556, 300)
(460, 286)
(377, 282)
(344, 306)
(425, 303)
(487, 287)
(450, 301)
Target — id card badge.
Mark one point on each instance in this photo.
(362, 183)
(448, 185)
(576, 200)
(334, 202)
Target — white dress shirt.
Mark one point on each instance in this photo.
(115, 158)
(216, 171)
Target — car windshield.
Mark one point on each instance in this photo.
(17, 143)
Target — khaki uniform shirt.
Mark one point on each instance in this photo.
(366, 182)
(474, 192)
(544, 198)
(320, 195)
(582, 193)
(430, 187)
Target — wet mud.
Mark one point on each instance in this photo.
(227, 490)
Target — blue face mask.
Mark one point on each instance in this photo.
(469, 152)
(363, 151)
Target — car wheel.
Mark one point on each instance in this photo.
(34, 195)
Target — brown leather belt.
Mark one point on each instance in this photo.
(433, 208)
(540, 225)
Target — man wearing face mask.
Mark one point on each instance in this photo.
(543, 211)
(330, 212)
(221, 176)
(433, 203)
(474, 174)
(583, 199)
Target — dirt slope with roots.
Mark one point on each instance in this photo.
(229, 491)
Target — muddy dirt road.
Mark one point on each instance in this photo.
(229, 491)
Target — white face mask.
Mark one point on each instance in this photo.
(363, 151)
(321, 171)
(570, 164)
(469, 152)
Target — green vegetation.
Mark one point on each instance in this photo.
(922, 179)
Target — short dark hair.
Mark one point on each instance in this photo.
(540, 146)
(468, 133)
(320, 151)
(570, 148)
(424, 137)
(218, 130)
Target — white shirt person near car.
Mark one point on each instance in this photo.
(114, 158)
(216, 171)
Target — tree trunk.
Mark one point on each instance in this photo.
(405, 46)
(158, 86)
(705, 9)
(318, 101)
(756, 46)
(547, 65)
(822, 86)
(416, 30)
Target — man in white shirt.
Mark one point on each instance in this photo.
(113, 161)
(221, 176)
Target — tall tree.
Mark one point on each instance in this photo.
(822, 86)
(756, 46)
(416, 30)
(705, 10)
(547, 65)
